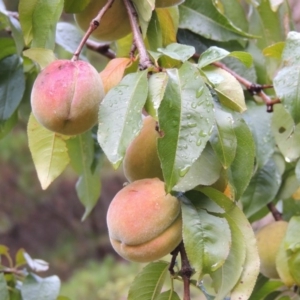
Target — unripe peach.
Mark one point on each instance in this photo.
(113, 25)
(269, 239)
(144, 223)
(141, 158)
(66, 95)
(167, 3)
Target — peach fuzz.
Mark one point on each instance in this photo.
(144, 223)
(66, 95)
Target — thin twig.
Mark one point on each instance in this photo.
(174, 254)
(186, 272)
(144, 61)
(276, 214)
(103, 49)
(93, 26)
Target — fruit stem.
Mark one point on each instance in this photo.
(93, 26)
(145, 61)
(276, 214)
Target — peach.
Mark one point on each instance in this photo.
(141, 159)
(66, 95)
(113, 25)
(144, 223)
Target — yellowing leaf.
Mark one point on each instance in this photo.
(48, 150)
(41, 56)
(113, 72)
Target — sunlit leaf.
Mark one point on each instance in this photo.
(120, 117)
(275, 50)
(48, 150)
(178, 51)
(266, 289)
(186, 119)
(12, 85)
(20, 259)
(168, 295)
(229, 90)
(114, 72)
(148, 283)
(41, 56)
(38, 21)
(211, 55)
(4, 295)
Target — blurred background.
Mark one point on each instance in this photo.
(47, 224)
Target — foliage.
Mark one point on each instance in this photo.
(222, 80)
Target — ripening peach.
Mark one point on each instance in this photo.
(144, 223)
(113, 25)
(141, 159)
(66, 95)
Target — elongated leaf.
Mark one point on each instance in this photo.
(297, 170)
(211, 55)
(48, 150)
(275, 50)
(188, 104)
(3, 288)
(178, 51)
(12, 85)
(262, 189)
(38, 21)
(157, 86)
(88, 186)
(154, 33)
(120, 117)
(223, 139)
(226, 277)
(144, 11)
(6, 126)
(204, 171)
(17, 34)
(259, 122)
(168, 20)
(148, 283)
(240, 171)
(207, 21)
(266, 289)
(113, 72)
(8, 47)
(286, 134)
(229, 90)
(37, 288)
(245, 285)
(168, 295)
(41, 56)
(206, 237)
(287, 80)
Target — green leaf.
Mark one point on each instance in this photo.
(241, 169)
(225, 278)
(168, 295)
(157, 86)
(212, 54)
(40, 55)
(48, 150)
(144, 11)
(266, 289)
(262, 189)
(297, 170)
(206, 237)
(275, 50)
(154, 33)
(37, 288)
(207, 21)
(68, 37)
(186, 119)
(229, 90)
(3, 288)
(287, 135)
(88, 186)
(7, 46)
(38, 21)
(244, 57)
(259, 122)
(223, 139)
(178, 51)
(204, 171)
(20, 259)
(287, 80)
(74, 6)
(148, 283)
(120, 115)
(245, 285)
(7, 126)
(16, 33)
(12, 85)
